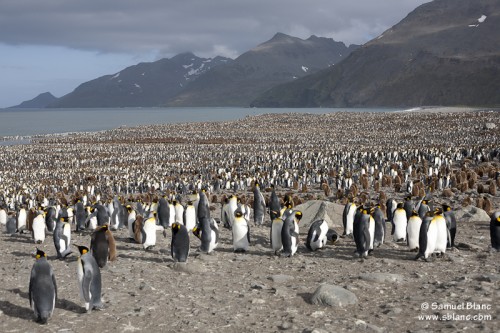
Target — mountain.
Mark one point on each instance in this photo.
(281, 59)
(40, 101)
(445, 52)
(143, 85)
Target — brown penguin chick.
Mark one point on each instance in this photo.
(112, 255)
(138, 229)
(488, 206)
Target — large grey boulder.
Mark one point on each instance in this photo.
(314, 210)
(333, 295)
(471, 214)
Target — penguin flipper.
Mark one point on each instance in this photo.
(248, 233)
(87, 279)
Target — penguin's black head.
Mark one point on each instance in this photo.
(438, 211)
(414, 213)
(400, 205)
(197, 232)
(40, 254)
(446, 208)
(190, 203)
(238, 214)
(82, 249)
(298, 216)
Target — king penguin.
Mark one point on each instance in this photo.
(132, 215)
(50, 218)
(451, 224)
(317, 235)
(103, 246)
(207, 232)
(259, 205)
(62, 238)
(89, 280)
(495, 231)
(276, 226)
(149, 234)
(400, 223)
(289, 235)
(413, 231)
(274, 205)
(240, 232)
(80, 216)
(190, 216)
(39, 228)
(164, 212)
(348, 221)
(424, 247)
(361, 232)
(179, 247)
(42, 288)
(442, 231)
(379, 235)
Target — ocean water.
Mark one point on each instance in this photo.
(17, 124)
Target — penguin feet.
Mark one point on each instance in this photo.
(240, 250)
(370, 252)
(150, 248)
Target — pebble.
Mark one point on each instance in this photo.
(381, 277)
(280, 278)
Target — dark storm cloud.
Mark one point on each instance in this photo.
(202, 26)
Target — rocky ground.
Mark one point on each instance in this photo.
(260, 292)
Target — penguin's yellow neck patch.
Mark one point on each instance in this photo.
(84, 251)
(498, 219)
(38, 256)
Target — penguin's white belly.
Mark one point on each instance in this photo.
(371, 230)
(400, 224)
(190, 219)
(240, 240)
(350, 220)
(321, 241)
(3, 217)
(39, 229)
(276, 235)
(414, 232)
(93, 223)
(431, 240)
(442, 235)
(150, 230)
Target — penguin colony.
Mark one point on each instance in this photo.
(170, 177)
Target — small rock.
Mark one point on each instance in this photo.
(280, 278)
(381, 277)
(317, 314)
(333, 296)
(258, 301)
(257, 285)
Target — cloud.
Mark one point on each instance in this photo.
(171, 27)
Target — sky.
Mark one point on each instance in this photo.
(55, 45)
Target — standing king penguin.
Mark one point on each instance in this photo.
(103, 246)
(289, 235)
(259, 205)
(241, 232)
(179, 247)
(43, 288)
(413, 231)
(89, 280)
(400, 223)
